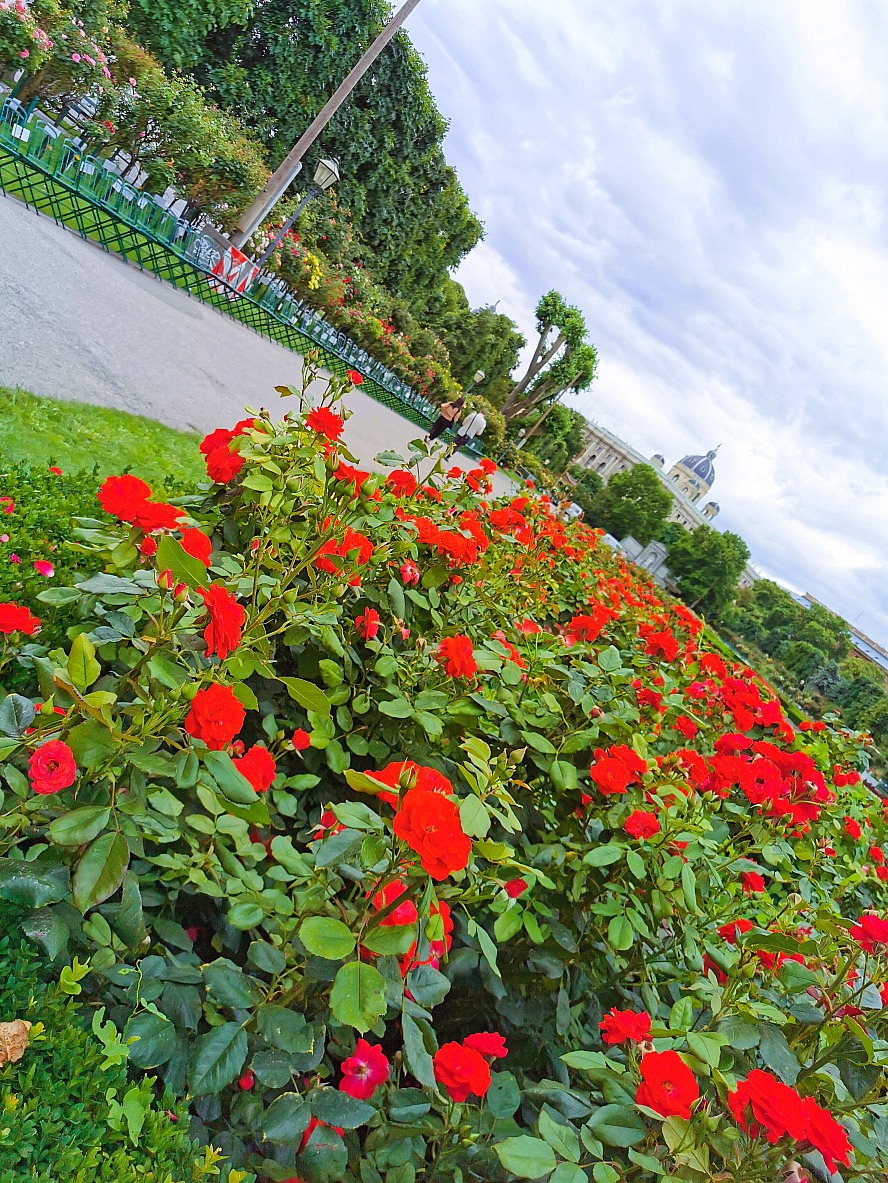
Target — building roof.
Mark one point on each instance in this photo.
(702, 466)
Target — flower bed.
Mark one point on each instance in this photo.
(412, 836)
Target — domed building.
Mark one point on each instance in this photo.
(694, 476)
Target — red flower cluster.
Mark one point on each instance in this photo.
(429, 823)
(871, 931)
(461, 1070)
(325, 422)
(128, 498)
(215, 716)
(616, 768)
(224, 463)
(589, 627)
(623, 1026)
(354, 547)
(761, 1104)
(364, 1071)
(15, 619)
(641, 825)
(401, 482)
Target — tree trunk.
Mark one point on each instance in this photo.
(543, 391)
(541, 358)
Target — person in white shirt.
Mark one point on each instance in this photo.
(471, 427)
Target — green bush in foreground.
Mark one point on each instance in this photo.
(67, 1111)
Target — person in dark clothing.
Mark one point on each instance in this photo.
(449, 415)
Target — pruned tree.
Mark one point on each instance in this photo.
(562, 358)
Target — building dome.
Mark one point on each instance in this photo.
(710, 509)
(701, 466)
(657, 460)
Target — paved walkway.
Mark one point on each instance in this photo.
(79, 323)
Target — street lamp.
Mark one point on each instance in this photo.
(326, 176)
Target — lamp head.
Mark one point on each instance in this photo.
(326, 174)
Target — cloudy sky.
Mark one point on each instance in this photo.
(707, 182)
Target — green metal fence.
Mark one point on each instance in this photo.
(50, 172)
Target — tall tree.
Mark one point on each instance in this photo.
(632, 502)
(562, 358)
(706, 566)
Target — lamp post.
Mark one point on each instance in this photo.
(326, 176)
(477, 377)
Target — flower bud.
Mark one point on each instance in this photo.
(165, 579)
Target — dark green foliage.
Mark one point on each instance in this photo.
(706, 565)
(561, 437)
(67, 1111)
(632, 502)
(588, 484)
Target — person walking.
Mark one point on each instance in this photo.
(449, 414)
(473, 426)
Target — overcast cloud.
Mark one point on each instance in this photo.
(707, 182)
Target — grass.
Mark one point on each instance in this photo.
(78, 437)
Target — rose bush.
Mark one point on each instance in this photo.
(522, 882)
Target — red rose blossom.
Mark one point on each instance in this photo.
(215, 716)
(641, 824)
(870, 931)
(325, 422)
(15, 619)
(429, 823)
(123, 496)
(456, 656)
(761, 1103)
(515, 887)
(223, 632)
(223, 465)
(52, 767)
(368, 623)
(622, 1026)
(300, 740)
(753, 883)
(364, 1071)
(489, 1044)
(461, 1070)
(197, 544)
(257, 766)
(668, 1086)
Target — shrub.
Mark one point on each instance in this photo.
(66, 1108)
(442, 845)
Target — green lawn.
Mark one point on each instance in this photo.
(77, 437)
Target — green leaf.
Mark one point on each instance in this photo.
(488, 948)
(796, 977)
(285, 1028)
(218, 1057)
(416, 1053)
(706, 1046)
(390, 940)
(636, 864)
(610, 660)
(616, 1125)
(308, 695)
(232, 784)
(681, 1016)
(229, 985)
(568, 1172)
(100, 870)
(326, 937)
(16, 715)
(434, 577)
(156, 1040)
(563, 1140)
(338, 1109)
(396, 599)
(689, 887)
(358, 996)
(48, 930)
(526, 1157)
(396, 708)
(362, 783)
(603, 856)
(739, 1033)
(79, 825)
(185, 568)
(32, 883)
(245, 916)
(473, 816)
(777, 1054)
(620, 934)
(504, 1096)
(82, 666)
(286, 1119)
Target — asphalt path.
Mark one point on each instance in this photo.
(79, 323)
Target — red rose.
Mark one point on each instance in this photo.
(364, 1071)
(429, 823)
(247, 1081)
(401, 482)
(15, 619)
(659, 644)
(52, 767)
(348, 473)
(157, 515)
(196, 543)
(257, 766)
(753, 882)
(301, 740)
(825, 1134)
(403, 913)
(407, 774)
(641, 825)
(223, 465)
(355, 378)
(223, 632)
(877, 854)
(455, 654)
(588, 628)
(761, 1102)
(148, 547)
(852, 828)
(734, 929)
(123, 496)
(325, 422)
(616, 768)
(219, 438)
(515, 887)
(620, 1026)
(215, 716)
(489, 1044)
(668, 1086)
(870, 931)
(461, 1070)
(368, 623)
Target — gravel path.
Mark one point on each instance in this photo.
(79, 323)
